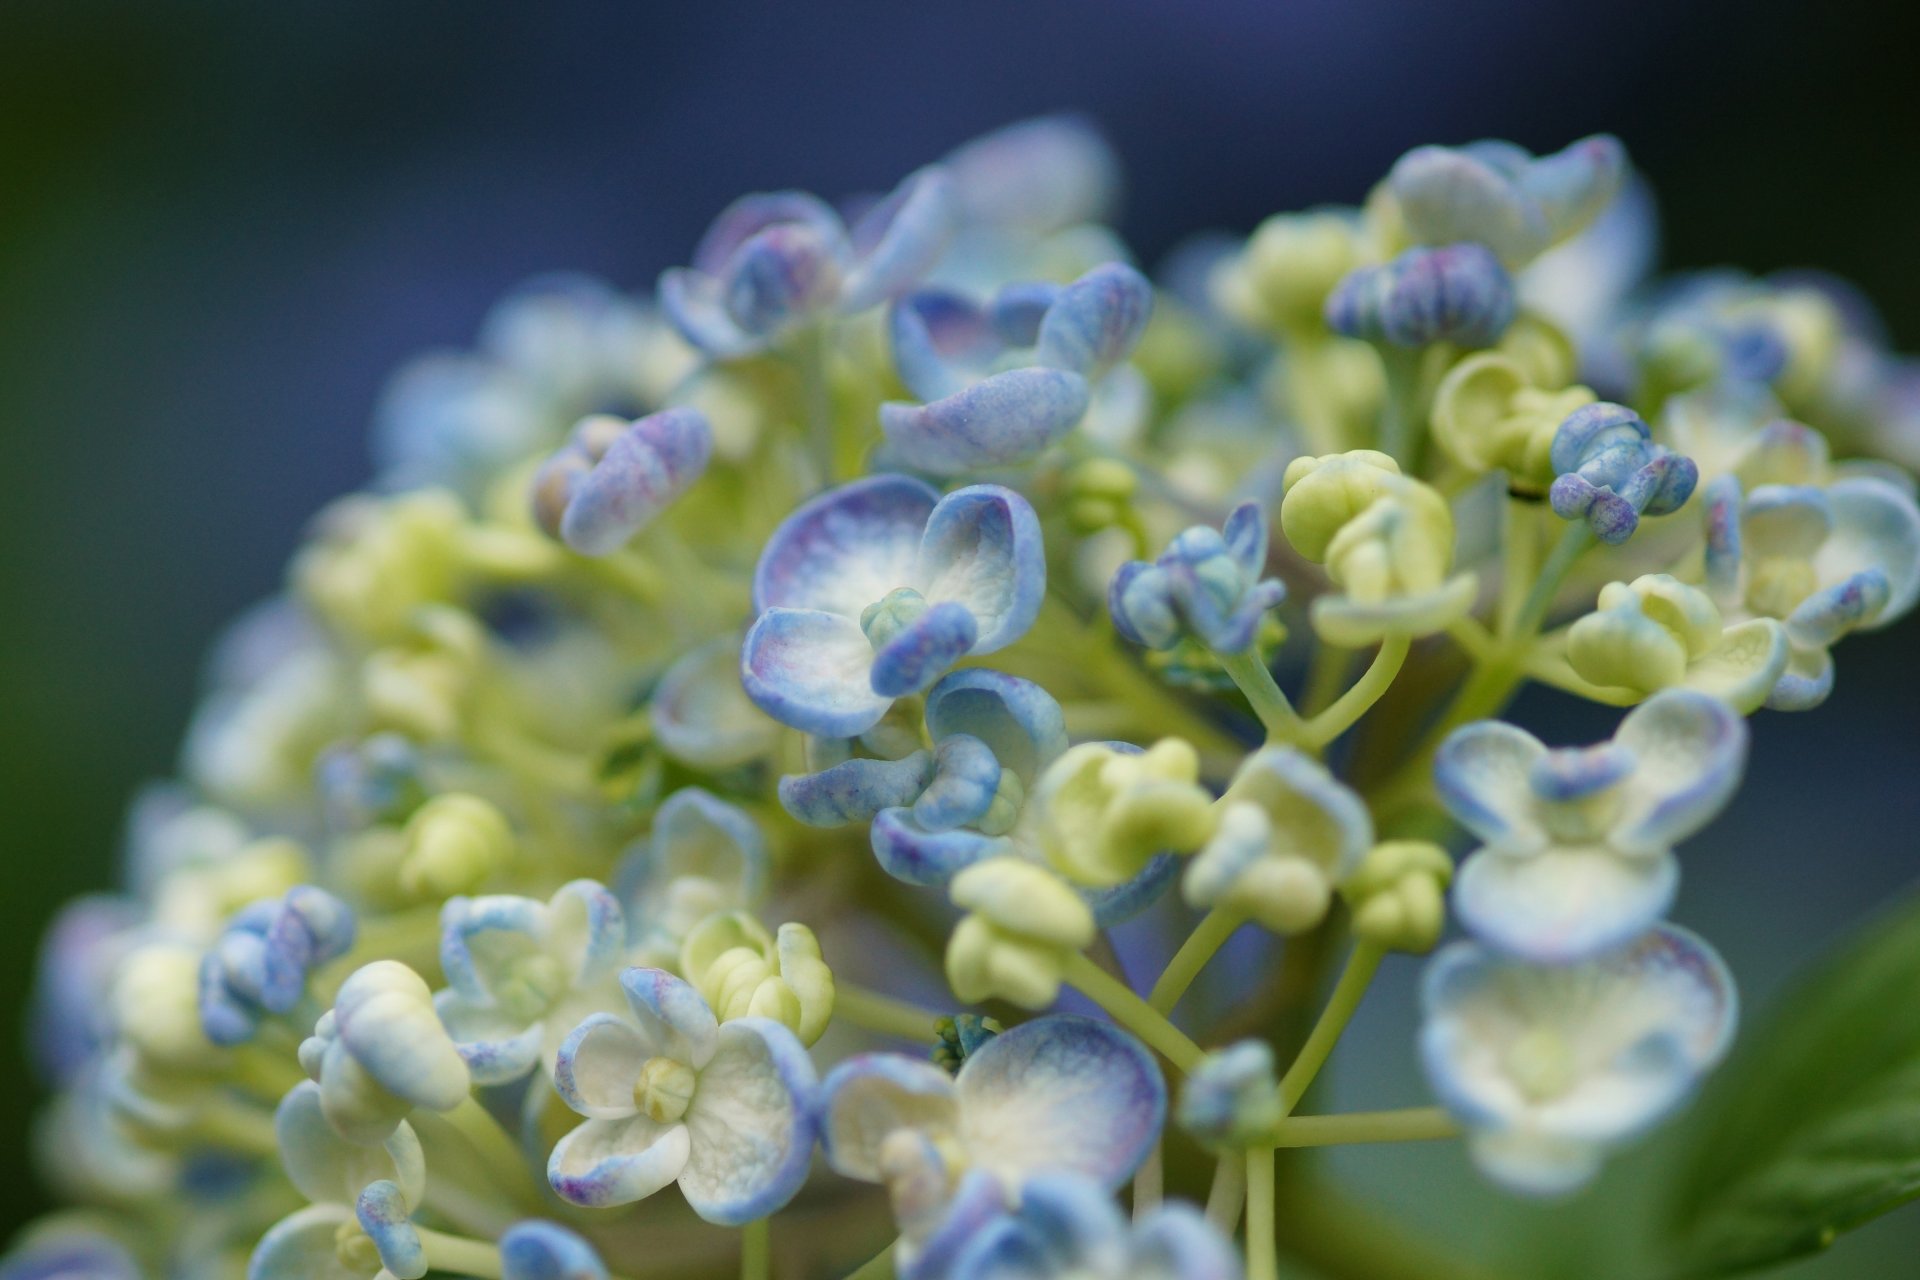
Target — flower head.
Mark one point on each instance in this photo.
(873, 590)
(675, 1096)
(1549, 1067)
(1205, 583)
(1579, 841)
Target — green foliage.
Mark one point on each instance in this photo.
(1814, 1126)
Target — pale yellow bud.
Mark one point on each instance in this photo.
(454, 844)
(1100, 815)
(1398, 896)
(1323, 494)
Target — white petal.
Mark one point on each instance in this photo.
(608, 1162)
(751, 1122)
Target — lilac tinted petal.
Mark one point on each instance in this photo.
(1806, 683)
(480, 936)
(901, 238)
(1245, 533)
(1176, 1242)
(673, 1015)
(910, 852)
(496, 1047)
(646, 467)
(1075, 1218)
(1007, 418)
(847, 548)
(923, 650)
(1446, 195)
(1573, 185)
(751, 1122)
(782, 275)
(1016, 718)
(751, 214)
(308, 928)
(812, 670)
(1039, 175)
(1096, 321)
(1140, 601)
(692, 304)
(586, 929)
(599, 1062)
(1483, 774)
(965, 779)
(1007, 1249)
(1017, 310)
(853, 791)
(1562, 904)
(547, 1251)
(1690, 750)
(1826, 616)
(1875, 525)
(979, 1200)
(871, 1095)
(939, 340)
(1061, 1093)
(983, 550)
(387, 1219)
(609, 1162)
(1722, 504)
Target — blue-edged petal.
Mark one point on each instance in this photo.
(646, 467)
(924, 650)
(326, 1168)
(1061, 1093)
(1245, 533)
(898, 241)
(941, 342)
(751, 214)
(672, 1015)
(598, 1064)
(812, 670)
(908, 851)
(1038, 175)
(1689, 750)
(1096, 321)
(966, 777)
(1004, 419)
(853, 791)
(696, 833)
(1806, 683)
(693, 304)
(872, 1095)
(1875, 526)
(781, 275)
(387, 1218)
(702, 717)
(304, 1244)
(1018, 720)
(847, 548)
(496, 1046)
(1118, 903)
(1574, 184)
(1140, 601)
(751, 1122)
(979, 1199)
(1483, 773)
(538, 1250)
(610, 1162)
(1446, 195)
(308, 928)
(585, 929)
(1563, 903)
(481, 937)
(983, 551)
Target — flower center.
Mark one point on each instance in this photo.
(664, 1089)
(355, 1249)
(891, 614)
(1542, 1064)
(532, 985)
(1776, 587)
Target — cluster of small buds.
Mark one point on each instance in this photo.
(720, 692)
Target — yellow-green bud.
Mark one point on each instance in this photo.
(1323, 494)
(1099, 494)
(1644, 634)
(663, 1089)
(355, 1249)
(454, 844)
(1023, 925)
(379, 559)
(1101, 814)
(741, 971)
(1488, 414)
(156, 1004)
(1291, 263)
(1398, 896)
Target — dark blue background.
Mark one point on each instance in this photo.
(221, 224)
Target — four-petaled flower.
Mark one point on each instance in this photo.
(1579, 841)
(1496, 194)
(1547, 1067)
(675, 1096)
(873, 590)
(1205, 583)
(702, 856)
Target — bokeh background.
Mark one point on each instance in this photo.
(222, 224)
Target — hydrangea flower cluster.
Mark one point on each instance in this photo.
(737, 718)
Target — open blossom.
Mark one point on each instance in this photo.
(873, 590)
(1579, 841)
(1549, 1067)
(675, 1096)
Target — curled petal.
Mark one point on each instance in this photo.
(702, 717)
(303, 1244)
(853, 791)
(966, 777)
(1806, 683)
(1096, 321)
(983, 551)
(909, 851)
(748, 216)
(1017, 719)
(1007, 418)
(547, 1251)
(1447, 194)
(1061, 1093)
(1689, 751)
(901, 238)
(692, 304)
(1875, 525)
(646, 467)
(329, 1170)
(923, 650)
(609, 1162)
(751, 1122)
(673, 1016)
(598, 1064)
(939, 338)
(386, 1217)
(1483, 772)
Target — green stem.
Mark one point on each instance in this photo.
(1367, 690)
(1207, 938)
(1133, 1013)
(756, 1250)
(234, 1126)
(459, 1254)
(1355, 978)
(1277, 716)
(1149, 1184)
(1413, 1124)
(1399, 435)
(878, 1267)
(1326, 677)
(1520, 558)
(1263, 1256)
(1228, 1194)
(882, 1014)
(811, 354)
(1533, 610)
(502, 1156)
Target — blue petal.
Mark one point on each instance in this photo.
(924, 650)
(812, 670)
(901, 238)
(1140, 601)
(908, 851)
(646, 467)
(940, 340)
(1016, 718)
(979, 1200)
(1245, 533)
(1096, 321)
(692, 304)
(1038, 176)
(782, 275)
(966, 777)
(749, 215)
(847, 548)
(1446, 195)
(547, 1251)
(1118, 903)
(387, 1219)
(1177, 1241)
(853, 791)
(1573, 185)
(1008, 418)
(983, 550)
(1061, 1094)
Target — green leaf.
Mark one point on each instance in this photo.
(1814, 1126)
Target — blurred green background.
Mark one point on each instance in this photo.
(221, 224)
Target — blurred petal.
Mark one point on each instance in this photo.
(1690, 750)
(1562, 904)
(872, 1095)
(908, 851)
(1483, 775)
(853, 791)
(538, 1250)
(1096, 321)
(901, 238)
(1007, 418)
